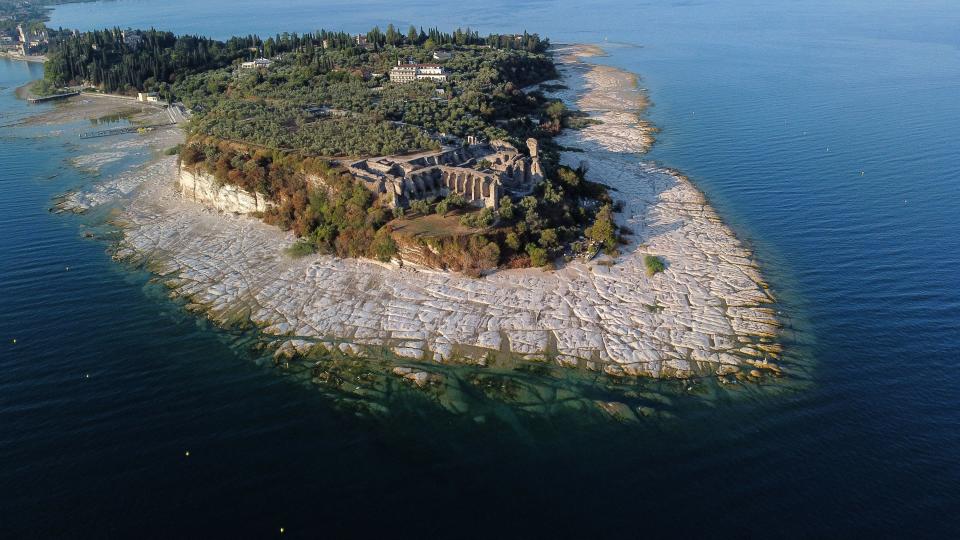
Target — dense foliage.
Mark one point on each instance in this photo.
(276, 107)
(110, 60)
(278, 130)
(281, 126)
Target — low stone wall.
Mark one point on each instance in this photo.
(203, 188)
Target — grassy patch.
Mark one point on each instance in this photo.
(301, 248)
(580, 121)
(654, 264)
(653, 308)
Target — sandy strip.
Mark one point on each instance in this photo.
(612, 96)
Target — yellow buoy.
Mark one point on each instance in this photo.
(187, 453)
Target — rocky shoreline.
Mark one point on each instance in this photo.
(611, 96)
(707, 314)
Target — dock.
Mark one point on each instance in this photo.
(52, 98)
(121, 130)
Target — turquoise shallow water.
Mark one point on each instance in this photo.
(773, 109)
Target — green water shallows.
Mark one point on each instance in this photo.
(773, 110)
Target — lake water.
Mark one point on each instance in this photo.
(826, 133)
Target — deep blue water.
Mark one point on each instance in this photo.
(773, 109)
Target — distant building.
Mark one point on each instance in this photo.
(404, 73)
(132, 38)
(31, 41)
(256, 64)
(321, 111)
(442, 55)
(148, 97)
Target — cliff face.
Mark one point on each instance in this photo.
(411, 251)
(203, 188)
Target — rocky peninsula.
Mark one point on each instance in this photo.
(706, 314)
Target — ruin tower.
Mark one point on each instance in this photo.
(536, 172)
(533, 146)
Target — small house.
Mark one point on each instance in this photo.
(257, 64)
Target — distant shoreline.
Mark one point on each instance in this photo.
(32, 59)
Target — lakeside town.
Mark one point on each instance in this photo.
(27, 42)
(23, 34)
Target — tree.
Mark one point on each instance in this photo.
(604, 230)
(506, 208)
(512, 241)
(569, 177)
(538, 256)
(551, 193)
(484, 254)
(548, 239)
(556, 110)
(456, 201)
(392, 37)
(383, 247)
(528, 203)
(420, 207)
(479, 220)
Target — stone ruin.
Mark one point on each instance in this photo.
(481, 173)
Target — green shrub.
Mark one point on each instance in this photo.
(548, 238)
(654, 264)
(512, 241)
(604, 230)
(506, 208)
(538, 256)
(383, 247)
(478, 220)
(301, 248)
(420, 207)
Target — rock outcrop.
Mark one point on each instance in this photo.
(203, 188)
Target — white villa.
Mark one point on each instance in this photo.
(258, 63)
(404, 73)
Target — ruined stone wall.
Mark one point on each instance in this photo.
(477, 188)
(442, 173)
